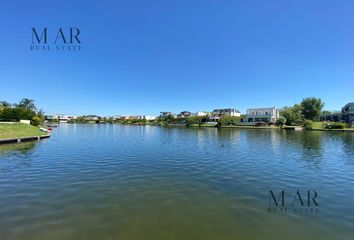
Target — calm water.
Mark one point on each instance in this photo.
(134, 182)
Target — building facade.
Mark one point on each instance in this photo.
(262, 115)
(345, 115)
(348, 113)
(226, 111)
(149, 118)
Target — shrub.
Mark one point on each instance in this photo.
(281, 121)
(36, 120)
(195, 120)
(262, 124)
(334, 125)
(228, 120)
(308, 124)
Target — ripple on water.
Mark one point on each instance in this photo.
(174, 183)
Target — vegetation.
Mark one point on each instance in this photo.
(228, 120)
(308, 124)
(196, 121)
(16, 130)
(281, 121)
(24, 110)
(333, 125)
(311, 108)
(308, 109)
(293, 115)
(36, 120)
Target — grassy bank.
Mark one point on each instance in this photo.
(318, 126)
(250, 127)
(17, 130)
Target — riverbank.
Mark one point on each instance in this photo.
(319, 126)
(17, 132)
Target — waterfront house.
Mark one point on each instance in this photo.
(149, 118)
(165, 114)
(262, 115)
(91, 117)
(184, 114)
(332, 117)
(202, 114)
(348, 113)
(59, 117)
(226, 111)
(217, 113)
(345, 115)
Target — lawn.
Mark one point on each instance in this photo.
(15, 130)
(319, 126)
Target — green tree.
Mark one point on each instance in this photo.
(281, 121)
(169, 119)
(27, 103)
(195, 120)
(228, 120)
(311, 108)
(293, 115)
(308, 124)
(4, 104)
(36, 120)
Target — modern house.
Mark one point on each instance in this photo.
(165, 114)
(345, 115)
(149, 118)
(59, 117)
(262, 115)
(348, 113)
(217, 113)
(184, 114)
(332, 117)
(91, 117)
(201, 114)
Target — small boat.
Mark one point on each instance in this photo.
(44, 129)
(49, 128)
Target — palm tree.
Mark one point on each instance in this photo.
(27, 104)
(4, 104)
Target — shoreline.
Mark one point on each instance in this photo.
(23, 139)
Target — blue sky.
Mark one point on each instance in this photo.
(143, 57)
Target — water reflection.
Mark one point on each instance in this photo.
(129, 182)
(17, 148)
(14, 155)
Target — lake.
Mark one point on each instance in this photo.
(145, 182)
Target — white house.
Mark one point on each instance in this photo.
(226, 111)
(149, 118)
(60, 117)
(202, 114)
(262, 115)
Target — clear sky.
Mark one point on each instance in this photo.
(143, 57)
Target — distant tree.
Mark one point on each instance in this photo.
(293, 115)
(311, 108)
(228, 120)
(4, 104)
(195, 120)
(27, 104)
(36, 120)
(326, 112)
(16, 114)
(169, 119)
(308, 124)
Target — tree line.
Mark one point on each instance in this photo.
(24, 110)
